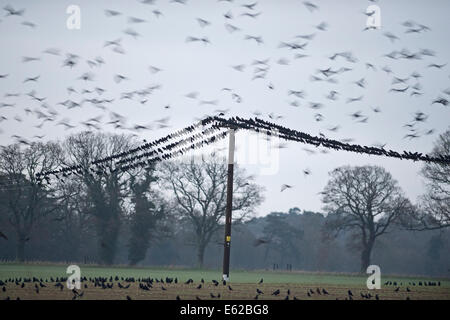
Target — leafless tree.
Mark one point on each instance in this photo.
(21, 197)
(434, 212)
(200, 189)
(365, 200)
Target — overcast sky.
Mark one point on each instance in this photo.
(188, 67)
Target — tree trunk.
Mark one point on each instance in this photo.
(108, 233)
(20, 250)
(365, 255)
(200, 255)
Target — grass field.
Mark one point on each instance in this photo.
(243, 284)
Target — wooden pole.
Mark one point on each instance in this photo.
(228, 210)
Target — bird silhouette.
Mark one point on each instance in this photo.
(2, 235)
(285, 186)
(10, 11)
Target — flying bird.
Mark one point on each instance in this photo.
(13, 12)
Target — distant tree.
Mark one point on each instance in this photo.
(281, 236)
(200, 189)
(22, 199)
(435, 246)
(434, 212)
(365, 200)
(145, 215)
(105, 193)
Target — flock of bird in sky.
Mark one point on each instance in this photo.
(86, 92)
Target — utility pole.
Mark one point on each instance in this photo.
(227, 240)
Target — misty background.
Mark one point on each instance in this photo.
(158, 55)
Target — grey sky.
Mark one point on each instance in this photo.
(206, 69)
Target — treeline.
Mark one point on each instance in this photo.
(99, 217)
(399, 252)
(172, 213)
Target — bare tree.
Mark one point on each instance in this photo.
(22, 199)
(435, 210)
(365, 200)
(105, 192)
(200, 194)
